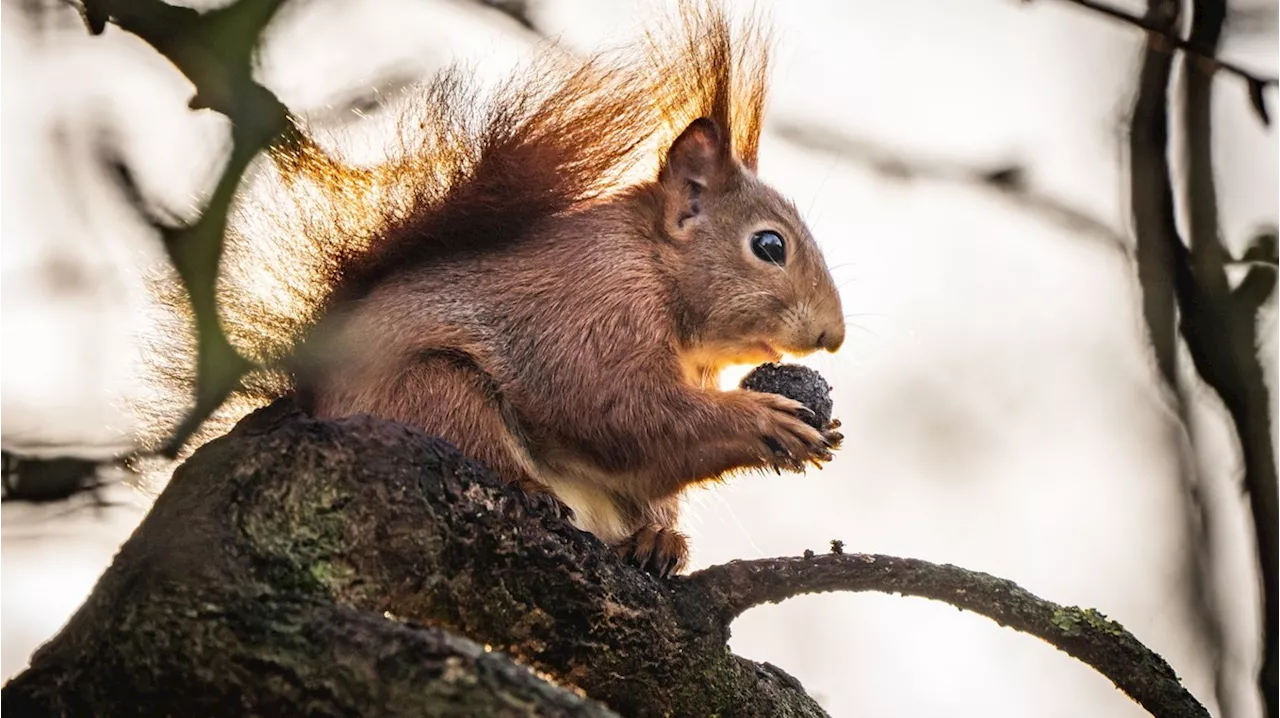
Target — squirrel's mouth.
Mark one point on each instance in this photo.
(768, 351)
(698, 360)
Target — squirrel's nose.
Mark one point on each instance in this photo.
(831, 337)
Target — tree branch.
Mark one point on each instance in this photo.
(40, 479)
(1151, 193)
(1166, 37)
(1220, 328)
(373, 518)
(1082, 633)
(1007, 181)
(290, 655)
(215, 51)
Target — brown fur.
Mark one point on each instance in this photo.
(553, 278)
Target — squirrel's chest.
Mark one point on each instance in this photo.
(597, 508)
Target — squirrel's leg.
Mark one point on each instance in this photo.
(454, 399)
(657, 547)
(446, 394)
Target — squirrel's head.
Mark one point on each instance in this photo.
(754, 283)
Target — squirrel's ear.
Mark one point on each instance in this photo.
(695, 161)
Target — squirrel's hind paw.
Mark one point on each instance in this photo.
(538, 499)
(659, 550)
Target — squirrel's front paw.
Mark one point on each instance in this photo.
(791, 443)
(660, 550)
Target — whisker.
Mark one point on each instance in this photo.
(831, 168)
(822, 301)
(864, 329)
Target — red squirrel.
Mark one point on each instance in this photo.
(552, 278)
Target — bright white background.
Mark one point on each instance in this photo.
(1000, 408)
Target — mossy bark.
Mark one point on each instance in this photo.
(290, 568)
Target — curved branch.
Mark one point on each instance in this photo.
(1084, 634)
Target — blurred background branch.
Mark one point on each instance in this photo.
(215, 51)
(1167, 33)
(1220, 325)
(1157, 242)
(517, 10)
(1185, 285)
(1007, 180)
(1154, 223)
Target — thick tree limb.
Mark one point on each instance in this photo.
(225, 654)
(377, 519)
(291, 533)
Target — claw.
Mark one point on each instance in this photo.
(538, 499)
(657, 550)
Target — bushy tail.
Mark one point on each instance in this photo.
(472, 170)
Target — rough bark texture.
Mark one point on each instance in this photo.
(260, 580)
(289, 569)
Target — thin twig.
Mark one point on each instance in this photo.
(1007, 181)
(1170, 37)
(1085, 634)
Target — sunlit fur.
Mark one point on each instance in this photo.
(511, 279)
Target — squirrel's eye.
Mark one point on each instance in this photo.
(769, 247)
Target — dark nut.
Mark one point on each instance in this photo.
(796, 382)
